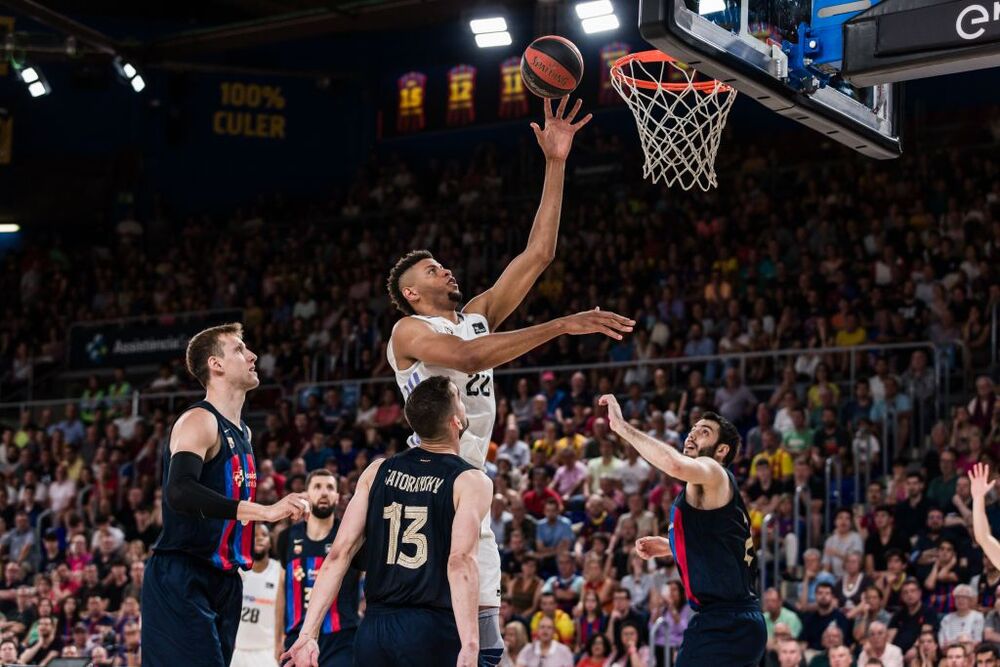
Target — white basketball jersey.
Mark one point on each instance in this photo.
(475, 390)
(260, 597)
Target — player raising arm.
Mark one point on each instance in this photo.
(709, 536)
(981, 485)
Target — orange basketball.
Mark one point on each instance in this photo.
(551, 66)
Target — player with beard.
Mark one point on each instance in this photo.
(437, 336)
(302, 549)
(256, 639)
(709, 536)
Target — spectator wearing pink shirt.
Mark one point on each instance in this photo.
(569, 480)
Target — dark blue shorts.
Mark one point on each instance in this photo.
(190, 612)
(724, 638)
(406, 637)
(335, 649)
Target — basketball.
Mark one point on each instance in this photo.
(551, 66)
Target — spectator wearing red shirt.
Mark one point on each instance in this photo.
(535, 497)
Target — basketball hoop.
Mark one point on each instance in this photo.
(680, 119)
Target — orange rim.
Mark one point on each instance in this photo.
(660, 57)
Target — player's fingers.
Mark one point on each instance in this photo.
(547, 103)
(562, 106)
(610, 333)
(576, 108)
(583, 121)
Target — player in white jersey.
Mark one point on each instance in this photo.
(434, 338)
(256, 639)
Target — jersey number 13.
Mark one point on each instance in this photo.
(394, 513)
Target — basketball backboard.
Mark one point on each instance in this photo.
(786, 54)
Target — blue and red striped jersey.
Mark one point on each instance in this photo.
(714, 551)
(302, 559)
(225, 543)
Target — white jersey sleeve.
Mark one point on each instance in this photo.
(476, 390)
(260, 597)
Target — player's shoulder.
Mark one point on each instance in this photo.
(411, 324)
(474, 481)
(196, 422)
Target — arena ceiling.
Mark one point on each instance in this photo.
(181, 28)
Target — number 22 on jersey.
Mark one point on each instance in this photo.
(417, 516)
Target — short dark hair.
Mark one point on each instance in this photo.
(396, 272)
(888, 509)
(824, 584)
(728, 435)
(205, 344)
(320, 472)
(429, 406)
(915, 473)
(622, 589)
(987, 647)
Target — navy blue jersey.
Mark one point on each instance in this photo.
(225, 543)
(302, 559)
(411, 507)
(714, 551)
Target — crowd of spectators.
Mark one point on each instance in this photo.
(844, 252)
(863, 253)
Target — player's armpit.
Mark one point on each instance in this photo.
(497, 303)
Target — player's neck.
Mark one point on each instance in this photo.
(228, 401)
(449, 314)
(439, 447)
(317, 529)
(261, 565)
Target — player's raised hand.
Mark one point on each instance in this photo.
(303, 653)
(980, 476)
(599, 321)
(557, 137)
(652, 547)
(294, 506)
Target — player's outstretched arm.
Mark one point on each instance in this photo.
(192, 439)
(981, 485)
(414, 339)
(350, 536)
(702, 470)
(555, 140)
(473, 493)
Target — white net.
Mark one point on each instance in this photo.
(680, 119)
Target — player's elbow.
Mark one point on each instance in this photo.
(461, 563)
(542, 256)
(470, 359)
(178, 499)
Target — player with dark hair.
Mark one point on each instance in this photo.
(192, 592)
(302, 549)
(418, 516)
(439, 337)
(709, 537)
